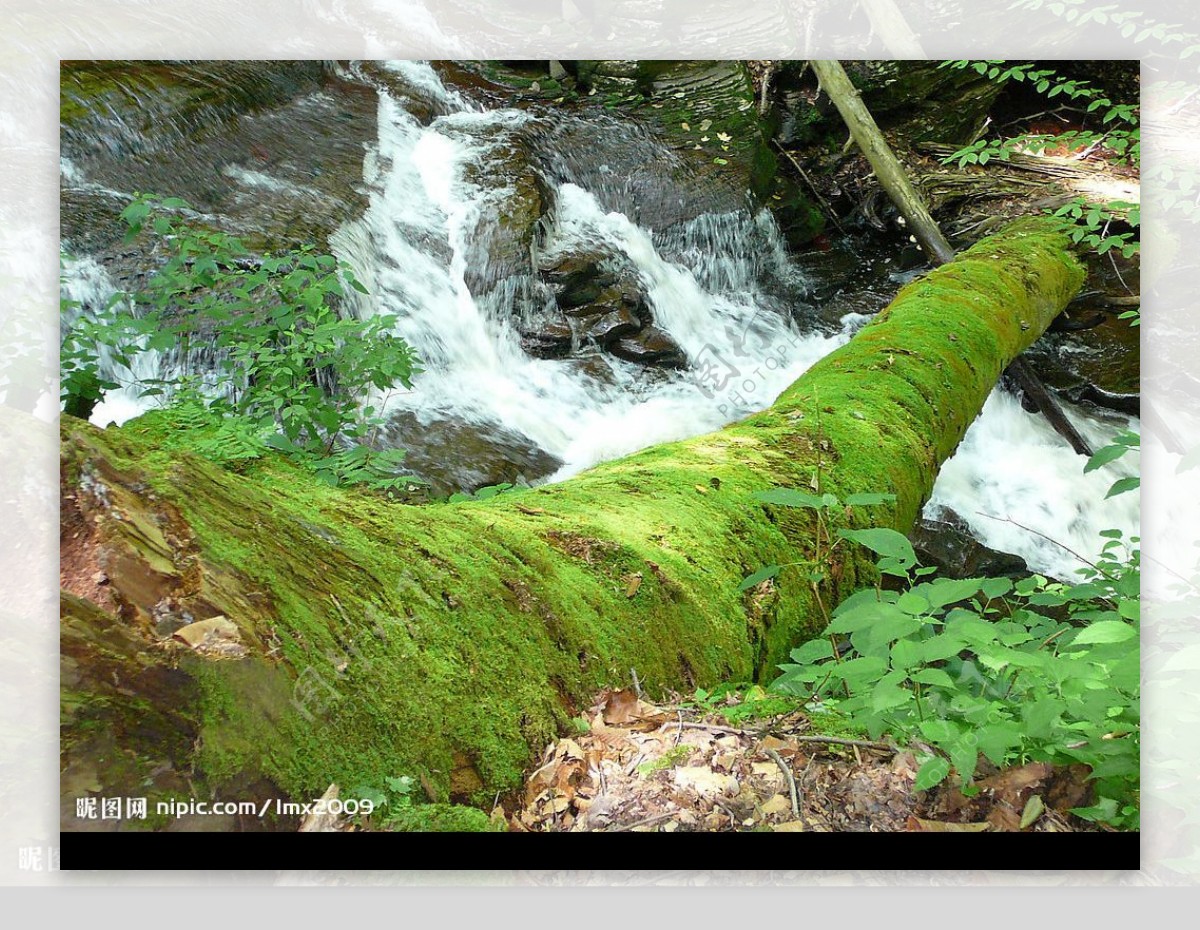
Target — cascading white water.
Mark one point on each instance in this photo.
(414, 246)
(89, 287)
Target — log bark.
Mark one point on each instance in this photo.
(451, 642)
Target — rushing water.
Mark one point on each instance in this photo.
(719, 285)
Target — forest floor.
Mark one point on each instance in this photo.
(683, 767)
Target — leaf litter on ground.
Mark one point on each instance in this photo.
(674, 766)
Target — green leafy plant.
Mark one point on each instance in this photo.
(739, 702)
(1089, 224)
(292, 370)
(81, 383)
(481, 494)
(1118, 126)
(389, 800)
(1032, 670)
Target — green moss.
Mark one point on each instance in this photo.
(451, 642)
(444, 818)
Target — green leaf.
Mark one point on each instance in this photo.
(885, 542)
(866, 499)
(1123, 485)
(934, 676)
(1104, 456)
(931, 773)
(813, 651)
(1105, 631)
(996, 587)
(770, 571)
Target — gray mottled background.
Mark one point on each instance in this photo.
(37, 33)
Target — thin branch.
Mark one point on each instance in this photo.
(649, 821)
(840, 741)
(807, 180)
(1049, 539)
(791, 779)
(689, 725)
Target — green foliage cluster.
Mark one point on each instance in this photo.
(1035, 669)
(292, 371)
(1089, 224)
(1122, 137)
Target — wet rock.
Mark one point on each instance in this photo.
(553, 340)
(456, 456)
(947, 544)
(931, 103)
(581, 280)
(612, 325)
(272, 151)
(1099, 365)
(503, 235)
(651, 346)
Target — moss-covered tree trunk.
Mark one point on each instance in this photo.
(449, 642)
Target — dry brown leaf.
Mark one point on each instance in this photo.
(621, 707)
(1009, 783)
(704, 781)
(792, 826)
(1004, 818)
(781, 746)
(917, 825)
(776, 804)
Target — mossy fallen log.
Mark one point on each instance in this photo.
(450, 642)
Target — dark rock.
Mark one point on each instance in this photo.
(582, 279)
(503, 236)
(613, 325)
(456, 456)
(947, 544)
(553, 340)
(651, 346)
(1099, 365)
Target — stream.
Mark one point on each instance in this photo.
(449, 243)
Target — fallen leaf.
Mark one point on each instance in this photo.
(1034, 808)
(1004, 818)
(792, 826)
(704, 781)
(917, 825)
(776, 804)
(621, 707)
(195, 634)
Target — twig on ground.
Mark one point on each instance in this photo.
(689, 725)
(791, 780)
(649, 821)
(840, 741)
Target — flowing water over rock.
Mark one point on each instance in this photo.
(575, 296)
